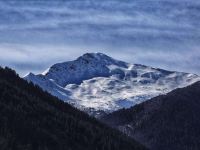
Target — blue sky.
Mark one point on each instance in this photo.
(35, 34)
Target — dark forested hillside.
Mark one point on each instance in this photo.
(168, 122)
(31, 119)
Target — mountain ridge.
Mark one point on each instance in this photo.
(98, 82)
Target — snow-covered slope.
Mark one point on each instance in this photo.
(97, 82)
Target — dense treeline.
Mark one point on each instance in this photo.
(31, 119)
(167, 122)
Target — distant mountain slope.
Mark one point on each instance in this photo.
(31, 119)
(98, 82)
(168, 122)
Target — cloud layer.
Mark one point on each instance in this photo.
(161, 33)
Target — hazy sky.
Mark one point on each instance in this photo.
(35, 34)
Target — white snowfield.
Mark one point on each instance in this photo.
(97, 82)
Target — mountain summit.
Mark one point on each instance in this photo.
(97, 82)
(88, 66)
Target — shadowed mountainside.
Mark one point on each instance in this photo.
(31, 119)
(167, 122)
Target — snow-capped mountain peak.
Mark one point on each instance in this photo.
(98, 82)
(100, 58)
(85, 67)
